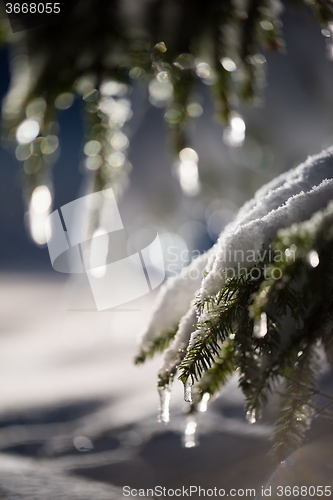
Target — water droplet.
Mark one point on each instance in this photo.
(23, 152)
(164, 411)
(251, 416)
(49, 144)
(161, 47)
(174, 114)
(189, 438)
(163, 76)
(260, 327)
(266, 25)
(204, 402)
(91, 95)
(313, 258)
(92, 148)
(119, 141)
(113, 88)
(41, 199)
(290, 253)
(83, 443)
(93, 162)
(203, 70)
(119, 112)
(64, 101)
(188, 154)
(259, 59)
(117, 159)
(228, 64)
(326, 33)
(27, 131)
(160, 93)
(136, 73)
(234, 134)
(194, 110)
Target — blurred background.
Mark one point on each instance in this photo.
(74, 411)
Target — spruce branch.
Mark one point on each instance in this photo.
(297, 246)
(300, 300)
(259, 30)
(295, 412)
(323, 10)
(95, 40)
(222, 369)
(222, 315)
(157, 345)
(223, 20)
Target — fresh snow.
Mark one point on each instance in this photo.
(174, 299)
(292, 197)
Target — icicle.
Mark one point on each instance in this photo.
(189, 438)
(163, 411)
(313, 258)
(260, 327)
(251, 416)
(204, 402)
(188, 391)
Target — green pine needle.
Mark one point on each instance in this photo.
(157, 345)
(295, 411)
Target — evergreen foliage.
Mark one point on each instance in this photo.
(98, 50)
(269, 330)
(158, 344)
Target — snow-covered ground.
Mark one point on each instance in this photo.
(73, 404)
